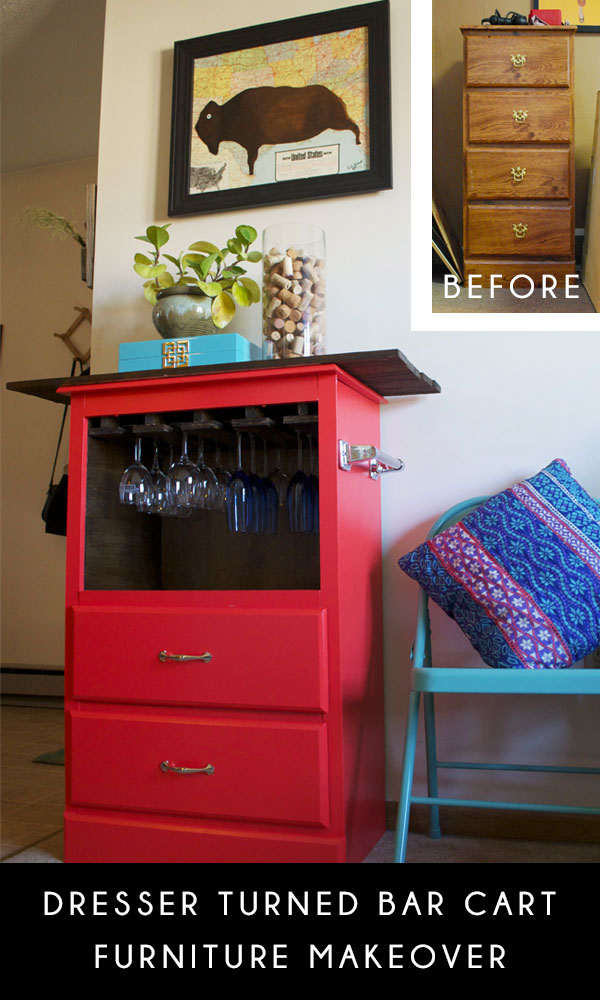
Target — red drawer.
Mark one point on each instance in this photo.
(271, 772)
(259, 658)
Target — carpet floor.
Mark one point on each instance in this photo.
(421, 850)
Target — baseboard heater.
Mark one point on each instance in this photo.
(32, 679)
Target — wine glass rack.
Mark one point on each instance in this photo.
(126, 550)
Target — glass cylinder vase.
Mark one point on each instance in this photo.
(293, 291)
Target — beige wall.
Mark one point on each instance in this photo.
(447, 104)
(40, 286)
(511, 401)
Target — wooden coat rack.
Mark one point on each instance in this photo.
(84, 314)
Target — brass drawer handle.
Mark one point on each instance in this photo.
(520, 115)
(183, 657)
(166, 766)
(518, 60)
(517, 173)
(519, 229)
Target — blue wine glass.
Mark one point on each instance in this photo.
(258, 494)
(238, 499)
(270, 499)
(300, 498)
(313, 482)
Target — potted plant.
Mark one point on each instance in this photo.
(199, 294)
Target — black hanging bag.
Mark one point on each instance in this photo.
(54, 513)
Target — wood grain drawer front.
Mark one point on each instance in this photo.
(517, 230)
(262, 772)
(517, 61)
(260, 658)
(523, 116)
(522, 173)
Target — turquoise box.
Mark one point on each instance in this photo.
(215, 349)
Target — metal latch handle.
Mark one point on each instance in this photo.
(378, 461)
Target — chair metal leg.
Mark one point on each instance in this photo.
(430, 747)
(408, 766)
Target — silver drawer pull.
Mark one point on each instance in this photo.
(181, 657)
(166, 766)
(378, 461)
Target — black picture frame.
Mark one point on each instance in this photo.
(589, 28)
(378, 175)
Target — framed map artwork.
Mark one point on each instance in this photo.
(281, 112)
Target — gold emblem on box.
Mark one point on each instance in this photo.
(176, 354)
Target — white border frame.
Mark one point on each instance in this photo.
(422, 318)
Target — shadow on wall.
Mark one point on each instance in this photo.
(447, 145)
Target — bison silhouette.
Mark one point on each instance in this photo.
(263, 116)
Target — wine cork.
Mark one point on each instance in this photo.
(279, 279)
(293, 301)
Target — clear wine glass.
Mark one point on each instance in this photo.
(280, 480)
(238, 500)
(160, 500)
(183, 483)
(270, 499)
(135, 487)
(208, 492)
(223, 477)
(300, 498)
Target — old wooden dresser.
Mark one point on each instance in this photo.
(518, 152)
(253, 660)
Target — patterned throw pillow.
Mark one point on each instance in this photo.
(521, 574)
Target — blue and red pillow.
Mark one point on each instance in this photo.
(521, 574)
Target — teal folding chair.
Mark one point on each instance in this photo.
(427, 680)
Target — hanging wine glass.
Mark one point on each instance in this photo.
(270, 499)
(160, 500)
(223, 477)
(135, 487)
(258, 494)
(183, 483)
(208, 491)
(300, 498)
(313, 482)
(238, 499)
(279, 480)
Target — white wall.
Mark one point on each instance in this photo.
(41, 284)
(510, 401)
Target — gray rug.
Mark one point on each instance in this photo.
(53, 757)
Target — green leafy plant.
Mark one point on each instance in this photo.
(205, 266)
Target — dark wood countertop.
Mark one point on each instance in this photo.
(387, 372)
